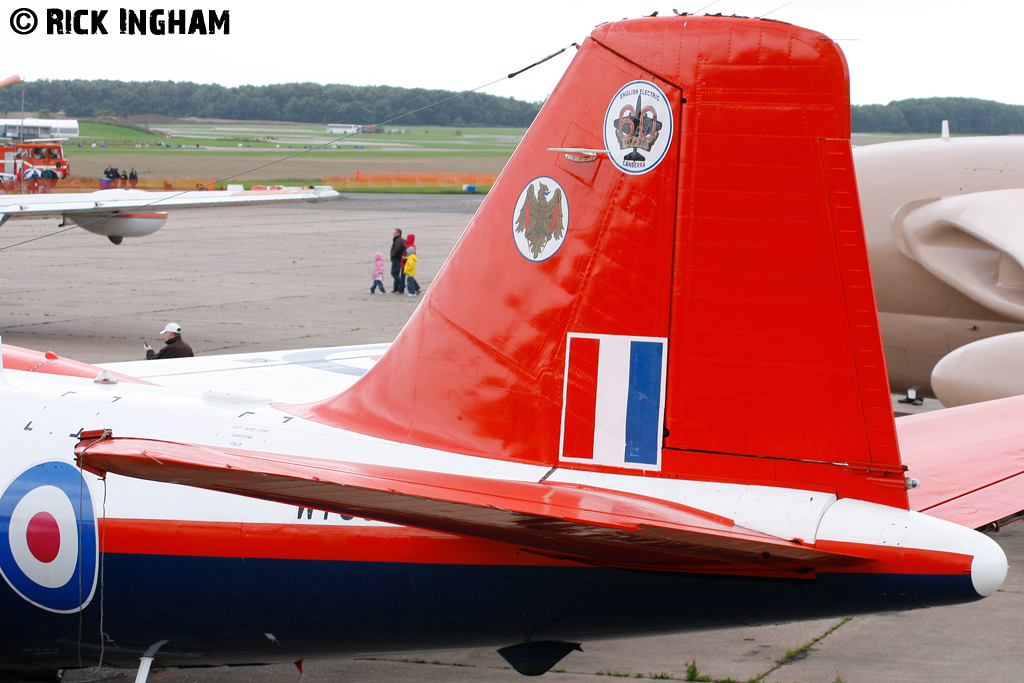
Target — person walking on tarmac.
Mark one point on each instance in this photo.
(174, 345)
(397, 258)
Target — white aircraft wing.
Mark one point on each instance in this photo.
(293, 376)
(103, 202)
(296, 376)
(122, 213)
(972, 242)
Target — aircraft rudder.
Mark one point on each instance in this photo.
(688, 269)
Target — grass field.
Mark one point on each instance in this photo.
(307, 153)
(247, 136)
(291, 153)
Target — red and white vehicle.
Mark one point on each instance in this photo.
(32, 164)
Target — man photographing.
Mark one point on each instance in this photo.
(174, 345)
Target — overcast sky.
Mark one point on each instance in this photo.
(896, 48)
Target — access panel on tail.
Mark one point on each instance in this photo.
(695, 301)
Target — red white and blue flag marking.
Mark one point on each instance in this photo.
(613, 407)
(48, 543)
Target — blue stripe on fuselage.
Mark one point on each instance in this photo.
(216, 611)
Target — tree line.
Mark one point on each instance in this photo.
(315, 103)
(966, 116)
(298, 102)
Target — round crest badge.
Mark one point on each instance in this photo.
(541, 219)
(49, 548)
(638, 127)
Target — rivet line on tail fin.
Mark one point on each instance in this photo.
(761, 457)
(861, 309)
(776, 470)
(861, 467)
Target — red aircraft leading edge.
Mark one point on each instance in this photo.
(646, 393)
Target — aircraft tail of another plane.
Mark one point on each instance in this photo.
(669, 278)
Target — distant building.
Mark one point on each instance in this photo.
(38, 128)
(343, 128)
(349, 129)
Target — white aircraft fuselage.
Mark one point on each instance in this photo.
(205, 578)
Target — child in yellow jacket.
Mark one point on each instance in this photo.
(412, 288)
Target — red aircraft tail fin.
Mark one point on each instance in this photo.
(681, 289)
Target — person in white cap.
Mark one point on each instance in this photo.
(174, 345)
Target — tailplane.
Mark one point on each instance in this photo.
(682, 290)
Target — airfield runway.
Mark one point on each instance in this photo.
(262, 278)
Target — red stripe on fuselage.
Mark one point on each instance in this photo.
(307, 542)
(398, 544)
(893, 559)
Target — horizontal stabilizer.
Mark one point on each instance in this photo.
(969, 461)
(589, 524)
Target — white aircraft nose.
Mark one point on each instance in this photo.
(988, 570)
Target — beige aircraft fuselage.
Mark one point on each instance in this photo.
(939, 225)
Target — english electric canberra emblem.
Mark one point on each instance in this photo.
(541, 219)
(638, 127)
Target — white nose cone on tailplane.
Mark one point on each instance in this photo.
(859, 522)
(988, 570)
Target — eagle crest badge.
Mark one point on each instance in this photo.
(541, 219)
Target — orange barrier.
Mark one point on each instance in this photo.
(360, 181)
(363, 180)
(90, 184)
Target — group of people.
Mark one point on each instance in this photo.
(403, 266)
(403, 270)
(121, 178)
(32, 180)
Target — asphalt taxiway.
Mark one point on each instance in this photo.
(259, 279)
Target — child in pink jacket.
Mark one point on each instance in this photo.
(378, 273)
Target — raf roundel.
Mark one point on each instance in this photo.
(541, 219)
(49, 554)
(638, 127)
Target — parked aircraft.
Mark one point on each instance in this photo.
(943, 223)
(122, 213)
(646, 393)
